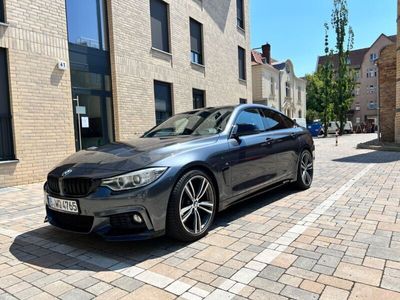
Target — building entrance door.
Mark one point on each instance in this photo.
(93, 120)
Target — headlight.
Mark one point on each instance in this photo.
(133, 180)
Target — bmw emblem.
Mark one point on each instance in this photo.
(67, 172)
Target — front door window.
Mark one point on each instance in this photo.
(93, 121)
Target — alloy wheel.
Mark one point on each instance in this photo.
(196, 207)
(306, 168)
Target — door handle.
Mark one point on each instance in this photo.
(268, 142)
(293, 135)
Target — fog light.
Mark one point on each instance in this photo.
(137, 218)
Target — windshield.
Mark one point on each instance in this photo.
(201, 122)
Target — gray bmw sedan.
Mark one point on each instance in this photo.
(176, 177)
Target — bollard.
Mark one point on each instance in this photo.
(337, 137)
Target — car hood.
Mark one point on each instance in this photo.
(118, 158)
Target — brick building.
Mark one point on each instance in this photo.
(275, 84)
(75, 74)
(364, 109)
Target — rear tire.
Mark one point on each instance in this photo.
(192, 207)
(305, 171)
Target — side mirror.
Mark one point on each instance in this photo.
(234, 133)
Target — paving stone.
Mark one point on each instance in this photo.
(305, 263)
(149, 292)
(361, 292)
(391, 283)
(312, 286)
(265, 295)
(266, 284)
(126, 283)
(358, 273)
(76, 294)
(334, 293)
(329, 261)
(323, 270)
(296, 293)
(216, 255)
(272, 272)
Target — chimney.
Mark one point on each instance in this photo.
(266, 51)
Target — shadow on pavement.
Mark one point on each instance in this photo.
(49, 247)
(377, 157)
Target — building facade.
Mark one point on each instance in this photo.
(76, 74)
(364, 109)
(276, 85)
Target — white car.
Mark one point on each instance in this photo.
(301, 122)
(333, 126)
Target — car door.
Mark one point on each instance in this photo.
(284, 135)
(248, 154)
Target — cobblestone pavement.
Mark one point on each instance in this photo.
(338, 240)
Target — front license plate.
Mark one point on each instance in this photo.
(69, 206)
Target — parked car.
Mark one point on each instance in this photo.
(315, 128)
(176, 177)
(334, 126)
(301, 122)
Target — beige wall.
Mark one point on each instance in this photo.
(262, 92)
(365, 97)
(136, 65)
(41, 100)
(35, 39)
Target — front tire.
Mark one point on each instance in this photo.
(192, 207)
(305, 171)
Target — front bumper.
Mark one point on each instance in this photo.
(110, 214)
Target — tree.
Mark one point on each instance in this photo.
(344, 79)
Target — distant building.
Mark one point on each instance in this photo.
(275, 84)
(364, 110)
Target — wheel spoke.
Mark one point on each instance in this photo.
(203, 189)
(310, 166)
(198, 221)
(308, 178)
(205, 205)
(186, 212)
(189, 192)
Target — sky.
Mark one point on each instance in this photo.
(295, 28)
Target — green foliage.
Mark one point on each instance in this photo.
(330, 89)
(312, 115)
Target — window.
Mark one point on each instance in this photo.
(240, 13)
(275, 121)
(208, 121)
(358, 120)
(6, 136)
(371, 89)
(357, 75)
(196, 41)
(249, 122)
(371, 73)
(159, 25)
(2, 19)
(242, 63)
(242, 101)
(299, 94)
(357, 91)
(87, 23)
(373, 57)
(300, 114)
(272, 86)
(358, 107)
(372, 105)
(198, 99)
(287, 89)
(162, 97)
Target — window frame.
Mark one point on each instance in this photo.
(170, 87)
(242, 101)
(2, 12)
(259, 114)
(242, 64)
(240, 19)
(164, 48)
(200, 55)
(198, 92)
(7, 141)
